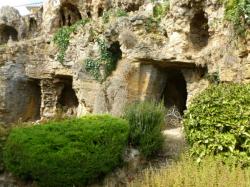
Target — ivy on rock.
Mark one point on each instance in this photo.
(106, 62)
(62, 38)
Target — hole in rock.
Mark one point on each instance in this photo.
(6, 33)
(132, 7)
(69, 14)
(67, 99)
(175, 90)
(100, 12)
(115, 50)
(32, 24)
(199, 34)
(89, 14)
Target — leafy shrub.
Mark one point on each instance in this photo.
(187, 172)
(62, 38)
(218, 123)
(145, 120)
(238, 12)
(67, 153)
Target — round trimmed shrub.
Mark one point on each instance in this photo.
(146, 120)
(218, 123)
(67, 153)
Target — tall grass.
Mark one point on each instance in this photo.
(210, 172)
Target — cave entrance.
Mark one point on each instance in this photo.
(199, 33)
(67, 100)
(6, 33)
(100, 12)
(175, 91)
(115, 50)
(32, 24)
(69, 14)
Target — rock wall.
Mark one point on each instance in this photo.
(169, 59)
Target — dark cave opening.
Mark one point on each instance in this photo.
(89, 14)
(199, 33)
(115, 50)
(175, 91)
(132, 7)
(67, 97)
(32, 24)
(69, 14)
(7, 32)
(100, 12)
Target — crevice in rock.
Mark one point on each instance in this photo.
(69, 14)
(7, 33)
(199, 33)
(132, 7)
(100, 12)
(89, 14)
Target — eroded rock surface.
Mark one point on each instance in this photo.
(169, 59)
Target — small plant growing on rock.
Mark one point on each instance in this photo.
(62, 38)
(238, 12)
(161, 9)
(107, 60)
(151, 24)
(115, 13)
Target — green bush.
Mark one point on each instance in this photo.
(67, 153)
(146, 120)
(218, 123)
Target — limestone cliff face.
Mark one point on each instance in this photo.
(169, 58)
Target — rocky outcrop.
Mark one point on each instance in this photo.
(170, 57)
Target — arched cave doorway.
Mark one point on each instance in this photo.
(67, 100)
(175, 91)
(69, 14)
(199, 34)
(7, 32)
